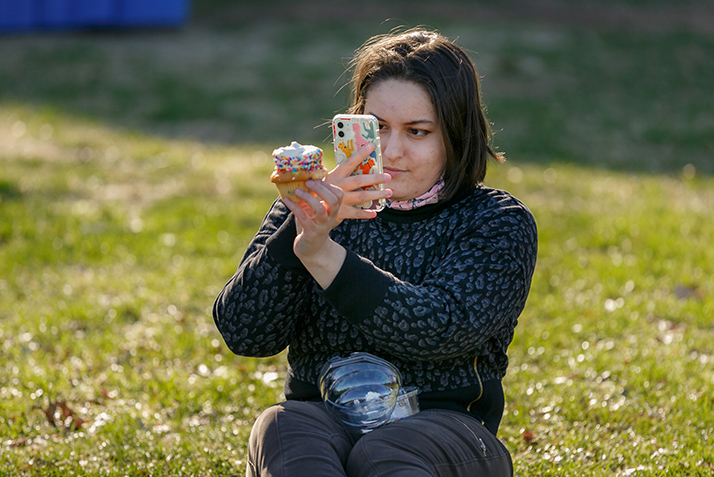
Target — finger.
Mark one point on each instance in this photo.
(362, 196)
(325, 207)
(330, 194)
(360, 181)
(356, 213)
(312, 203)
(331, 190)
(299, 209)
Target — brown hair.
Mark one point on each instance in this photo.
(450, 77)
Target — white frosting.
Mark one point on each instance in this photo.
(295, 149)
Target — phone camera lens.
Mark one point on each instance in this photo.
(341, 134)
(340, 125)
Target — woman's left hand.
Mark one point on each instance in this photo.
(316, 217)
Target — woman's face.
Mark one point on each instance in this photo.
(412, 144)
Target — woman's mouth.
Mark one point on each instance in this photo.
(392, 171)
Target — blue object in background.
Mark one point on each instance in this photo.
(29, 15)
(141, 12)
(16, 14)
(51, 13)
(93, 12)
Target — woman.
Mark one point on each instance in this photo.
(434, 283)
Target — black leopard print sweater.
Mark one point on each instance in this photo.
(436, 290)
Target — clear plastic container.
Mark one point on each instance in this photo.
(407, 403)
(361, 390)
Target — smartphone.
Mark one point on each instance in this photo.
(351, 132)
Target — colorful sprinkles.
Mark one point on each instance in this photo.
(308, 160)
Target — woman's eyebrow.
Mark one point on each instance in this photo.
(409, 123)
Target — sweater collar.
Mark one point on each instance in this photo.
(423, 212)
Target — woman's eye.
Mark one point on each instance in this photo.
(418, 132)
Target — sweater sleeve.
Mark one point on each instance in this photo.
(474, 294)
(257, 310)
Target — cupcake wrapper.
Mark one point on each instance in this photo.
(287, 189)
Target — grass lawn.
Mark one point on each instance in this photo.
(134, 170)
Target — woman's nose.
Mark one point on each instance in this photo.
(392, 148)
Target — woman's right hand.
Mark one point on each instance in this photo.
(341, 176)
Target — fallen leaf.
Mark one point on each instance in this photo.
(68, 418)
(107, 394)
(21, 442)
(528, 437)
(49, 413)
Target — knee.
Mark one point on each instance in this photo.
(300, 437)
(269, 431)
(273, 418)
(366, 446)
(265, 424)
(359, 461)
(295, 420)
(378, 453)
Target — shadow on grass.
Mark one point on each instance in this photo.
(562, 83)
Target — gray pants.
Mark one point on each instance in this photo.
(301, 439)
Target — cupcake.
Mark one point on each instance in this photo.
(294, 165)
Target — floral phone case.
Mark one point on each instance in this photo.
(350, 132)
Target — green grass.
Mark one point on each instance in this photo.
(133, 173)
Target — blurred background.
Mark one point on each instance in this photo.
(604, 83)
(135, 141)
